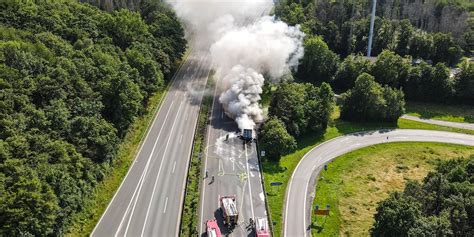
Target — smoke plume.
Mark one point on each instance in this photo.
(244, 45)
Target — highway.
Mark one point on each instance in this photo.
(149, 200)
(298, 199)
(234, 166)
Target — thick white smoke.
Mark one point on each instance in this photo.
(244, 46)
(243, 54)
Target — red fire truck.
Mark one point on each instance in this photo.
(213, 229)
(229, 210)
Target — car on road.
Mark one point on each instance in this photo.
(229, 210)
(213, 229)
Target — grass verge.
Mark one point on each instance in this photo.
(281, 171)
(457, 113)
(189, 217)
(357, 181)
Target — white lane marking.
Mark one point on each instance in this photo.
(180, 68)
(180, 138)
(166, 204)
(174, 166)
(159, 170)
(189, 155)
(219, 166)
(248, 180)
(140, 182)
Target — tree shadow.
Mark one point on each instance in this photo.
(319, 227)
(362, 128)
(272, 167)
(431, 110)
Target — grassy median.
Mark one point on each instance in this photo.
(357, 181)
(281, 171)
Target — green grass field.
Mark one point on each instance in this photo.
(452, 113)
(357, 181)
(281, 171)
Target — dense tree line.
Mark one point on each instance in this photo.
(419, 82)
(110, 5)
(295, 109)
(345, 29)
(442, 205)
(369, 101)
(411, 62)
(72, 80)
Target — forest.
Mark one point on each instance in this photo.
(421, 52)
(344, 24)
(427, 61)
(72, 80)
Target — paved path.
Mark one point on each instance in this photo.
(468, 126)
(149, 200)
(298, 200)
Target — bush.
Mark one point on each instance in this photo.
(275, 140)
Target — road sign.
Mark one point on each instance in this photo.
(262, 153)
(276, 183)
(321, 212)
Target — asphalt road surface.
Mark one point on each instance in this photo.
(149, 200)
(468, 126)
(234, 166)
(299, 195)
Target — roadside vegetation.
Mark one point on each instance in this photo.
(411, 65)
(356, 182)
(94, 206)
(441, 205)
(189, 217)
(281, 170)
(452, 113)
(78, 86)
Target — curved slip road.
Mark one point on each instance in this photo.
(298, 199)
(149, 199)
(468, 126)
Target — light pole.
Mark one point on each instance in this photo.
(371, 31)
